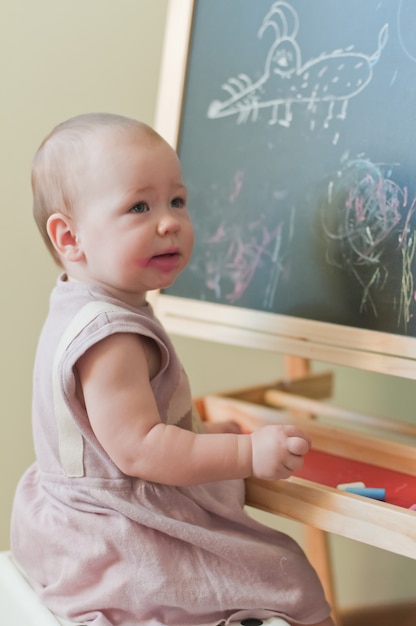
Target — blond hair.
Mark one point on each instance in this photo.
(58, 163)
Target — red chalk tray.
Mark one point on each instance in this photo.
(331, 470)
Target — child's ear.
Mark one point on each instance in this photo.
(62, 234)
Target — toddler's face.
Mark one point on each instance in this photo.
(132, 221)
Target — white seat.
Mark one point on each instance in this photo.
(20, 606)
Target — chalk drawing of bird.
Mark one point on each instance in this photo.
(331, 78)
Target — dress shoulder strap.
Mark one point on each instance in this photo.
(71, 443)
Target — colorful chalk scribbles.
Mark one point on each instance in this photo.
(368, 225)
(235, 252)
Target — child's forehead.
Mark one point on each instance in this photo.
(112, 142)
(116, 157)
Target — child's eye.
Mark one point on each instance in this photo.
(178, 203)
(139, 207)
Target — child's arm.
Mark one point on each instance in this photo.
(114, 378)
(221, 427)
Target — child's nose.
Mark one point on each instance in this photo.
(168, 224)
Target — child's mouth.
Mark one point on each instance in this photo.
(166, 261)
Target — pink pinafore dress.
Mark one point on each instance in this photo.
(103, 548)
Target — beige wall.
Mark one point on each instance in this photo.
(59, 59)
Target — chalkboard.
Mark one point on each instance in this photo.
(298, 144)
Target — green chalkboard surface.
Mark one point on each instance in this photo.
(298, 145)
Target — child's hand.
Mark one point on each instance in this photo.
(277, 451)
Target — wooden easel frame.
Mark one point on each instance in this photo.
(321, 509)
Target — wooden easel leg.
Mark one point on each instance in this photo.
(316, 540)
(318, 553)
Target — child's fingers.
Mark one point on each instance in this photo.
(298, 446)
